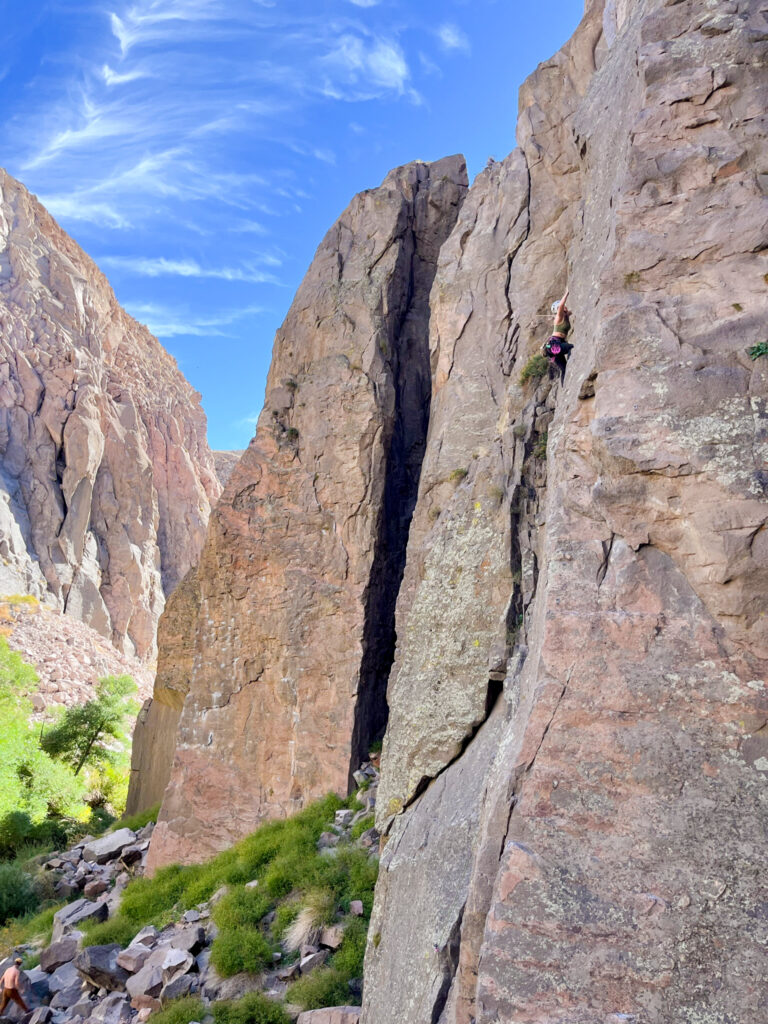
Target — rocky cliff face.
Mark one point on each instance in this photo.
(573, 777)
(106, 477)
(300, 571)
(574, 767)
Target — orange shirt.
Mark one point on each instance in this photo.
(11, 978)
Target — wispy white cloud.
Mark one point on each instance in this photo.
(169, 322)
(160, 266)
(364, 3)
(112, 77)
(452, 38)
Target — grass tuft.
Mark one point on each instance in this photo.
(536, 368)
(180, 1011)
(253, 1008)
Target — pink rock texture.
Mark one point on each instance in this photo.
(106, 478)
(614, 870)
(304, 551)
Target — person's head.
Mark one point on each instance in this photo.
(18, 961)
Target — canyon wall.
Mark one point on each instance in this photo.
(574, 772)
(106, 479)
(298, 578)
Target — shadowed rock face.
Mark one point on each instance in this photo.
(106, 477)
(605, 548)
(305, 551)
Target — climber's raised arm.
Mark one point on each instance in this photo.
(562, 310)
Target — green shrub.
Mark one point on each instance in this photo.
(761, 349)
(320, 904)
(17, 894)
(323, 987)
(180, 1011)
(536, 368)
(241, 908)
(118, 929)
(348, 959)
(458, 475)
(240, 949)
(362, 826)
(285, 914)
(253, 1008)
(540, 448)
(32, 927)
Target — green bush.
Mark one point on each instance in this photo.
(17, 894)
(37, 927)
(285, 914)
(118, 929)
(323, 987)
(240, 949)
(536, 368)
(761, 349)
(362, 826)
(253, 1008)
(180, 1011)
(348, 959)
(241, 908)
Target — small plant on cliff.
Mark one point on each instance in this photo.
(180, 1011)
(457, 475)
(540, 448)
(761, 349)
(536, 368)
(292, 435)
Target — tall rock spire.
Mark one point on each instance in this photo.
(301, 568)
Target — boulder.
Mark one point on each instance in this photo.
(332, 937)
(134, 957)
(67, 997)
(64, 977)
(176, 961)
(313, 961)
(108, 847)
(94, 888)
(343, 818)
(99, 966)
(131, 854)
(356, 908)
(38, 981)
(64, 889)
(42, 1015)
(190, 916)
(178, 986)
(147, 936)
(115, 1009)
(190, 938)
(64, 920)
(331, 1015)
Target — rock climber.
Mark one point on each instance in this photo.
(10, 983)
(557, 348)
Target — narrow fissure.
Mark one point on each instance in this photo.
(409, 365)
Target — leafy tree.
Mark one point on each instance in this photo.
(30, 781)
(83, 734)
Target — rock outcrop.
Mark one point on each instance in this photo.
(305, 551)
(589, 560)
(106, 477)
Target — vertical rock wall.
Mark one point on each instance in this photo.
(304, 555)
(601, 547)
(106, 478)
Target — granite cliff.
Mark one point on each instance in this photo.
(561, 586)
(106, 478)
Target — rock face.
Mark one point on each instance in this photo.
(305, 550)
(154, 735)
(589, 559)
(106, 478)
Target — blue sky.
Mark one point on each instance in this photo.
(198, 150)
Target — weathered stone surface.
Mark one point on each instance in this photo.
(178, 986)
(58, 953)
(99, 966)
(114, 1009)
(109, 846)
(106, 477)
(305, 550)
(65, 920)
(225, 463)
(64, 977)
(154, 736)
(617, 849)
(134, 957)
(331, 1015)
